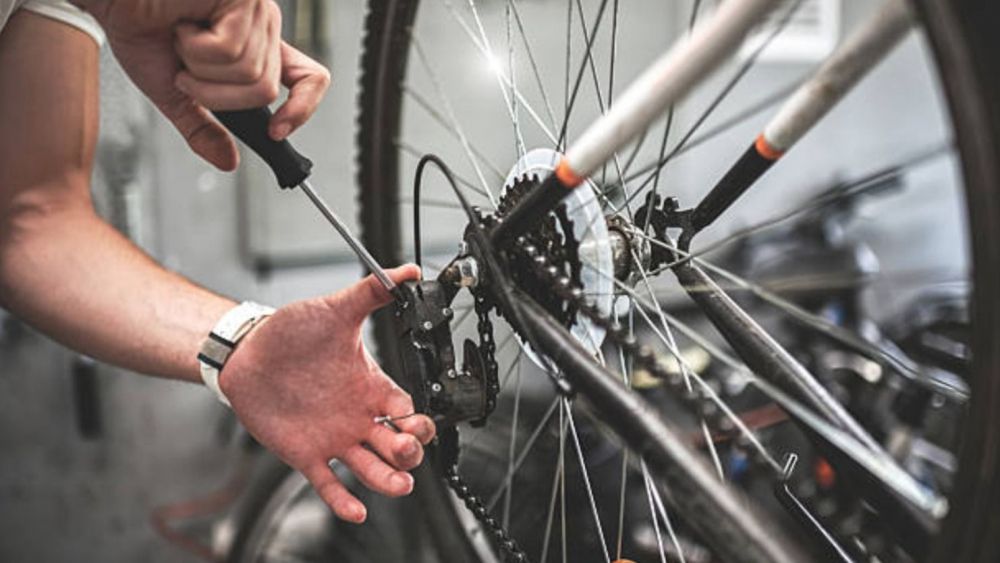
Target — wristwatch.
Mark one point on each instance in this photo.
(231, 328)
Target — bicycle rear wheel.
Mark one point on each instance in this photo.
(402, 99)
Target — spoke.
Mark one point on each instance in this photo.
(583, 67)
(695, 142)
(556, 479)
(589, 60)
(560, 144)
(509, 481)
(826, 327)
(654, 498)
(492, 60)
(586, 480)
(723, 127)
(416, 153)
(430, 202)
(627, 377)
(869, 182)
(451, 115)
(513, 79)
(689, 141)
(504, 81)
(521, 457)
(621, 505)
(670, 119)
(878, 464)
(707, 389)
(655, 521)
(672, 343)
(736, 79)
(455, 132)
(534, 65)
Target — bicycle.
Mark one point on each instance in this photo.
(531, 268)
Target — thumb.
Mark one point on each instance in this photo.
(206, 136)
(368, 295)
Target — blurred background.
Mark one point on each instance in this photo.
(88, 453)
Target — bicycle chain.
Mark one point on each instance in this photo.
(697, 399)
(511, 552)
(487, 350)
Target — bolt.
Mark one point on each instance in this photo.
(447, 312)
(427, 325)
(436, 388)
(452, 374)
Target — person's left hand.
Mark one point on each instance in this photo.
(304, 385)
(192, 56)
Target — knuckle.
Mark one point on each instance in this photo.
(265, 92)
(250, 70)
(226, 51)
(324, 78)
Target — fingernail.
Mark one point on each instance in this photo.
(411, 448)
(281, 131)
(402, 481)
(360, 513)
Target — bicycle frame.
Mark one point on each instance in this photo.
(683, 67)
(666, 82)
(659, 87)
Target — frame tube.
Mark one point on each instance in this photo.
(714, 509)
(810, 103)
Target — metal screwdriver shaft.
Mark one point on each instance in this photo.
(352, 241)
(291, 170)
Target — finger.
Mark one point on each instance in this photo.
(335, 494)
(247, 68)
(307, 81)
(220, 96)
(376, 474)
(226, 40)
(206, 137)
(398, 404)
(419, 426)
(400, 449)
(368, 295)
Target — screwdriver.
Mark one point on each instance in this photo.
(292, 170)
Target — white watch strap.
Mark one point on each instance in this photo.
(221, 342)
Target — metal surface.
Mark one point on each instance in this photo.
(366, 258)
(765, 357)
(716, 511)
(666, 82)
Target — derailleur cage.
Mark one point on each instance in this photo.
(446, 394)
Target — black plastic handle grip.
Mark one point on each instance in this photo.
(250, 126)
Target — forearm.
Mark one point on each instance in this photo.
(72, 276)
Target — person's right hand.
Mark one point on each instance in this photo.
(192, 56)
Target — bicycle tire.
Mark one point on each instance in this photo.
(961, 33)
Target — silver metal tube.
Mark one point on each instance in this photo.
(864, 49)
(358, 248)
(668, 80)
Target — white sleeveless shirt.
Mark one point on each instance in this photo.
(59, 10)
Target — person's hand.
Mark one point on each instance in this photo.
(304, 385)
(192, 56)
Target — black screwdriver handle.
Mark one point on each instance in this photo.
(250, 126)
